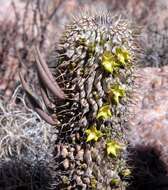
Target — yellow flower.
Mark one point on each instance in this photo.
(93, 134)
(126, 172)
(113, 147)
(115, 181)
(108, 61)
(123, 55)
(104, 112)
(117, 92)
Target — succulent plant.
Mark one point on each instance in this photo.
(87, 99)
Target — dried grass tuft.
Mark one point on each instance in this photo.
(22, 132)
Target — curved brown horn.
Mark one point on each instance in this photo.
(46, 117)
(35, 104)
(48, 103)
(47, 77)
(27, 89)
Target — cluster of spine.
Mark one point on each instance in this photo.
(94, 64)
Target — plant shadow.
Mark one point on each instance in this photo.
(148, 170)
(20, 175)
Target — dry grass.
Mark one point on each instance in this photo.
(26, 147)
(22, 132)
